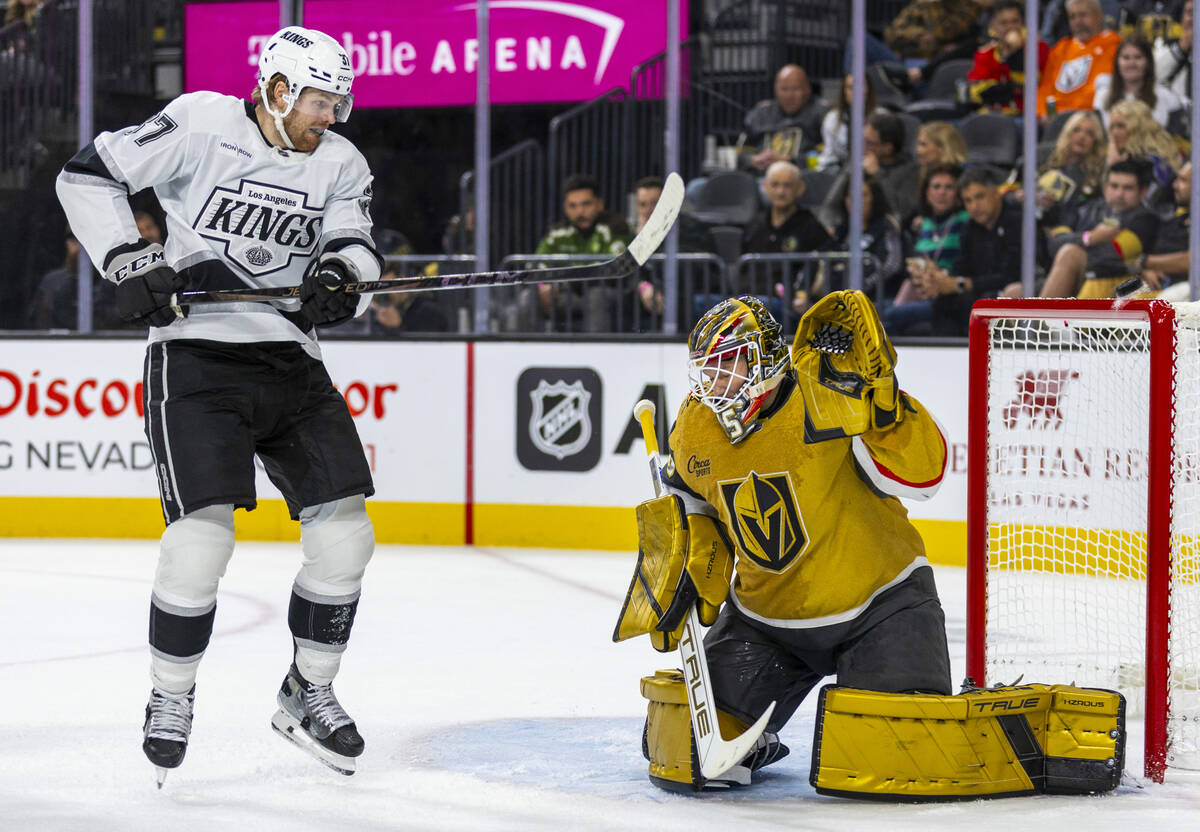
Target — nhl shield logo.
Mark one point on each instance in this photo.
(558, 418)
(559, 424)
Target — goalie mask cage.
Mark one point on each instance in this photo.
(1083, 506)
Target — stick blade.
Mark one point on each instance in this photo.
(722, 754)
(661, 220)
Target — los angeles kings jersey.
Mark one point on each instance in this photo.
(817, 528)
(240, 212)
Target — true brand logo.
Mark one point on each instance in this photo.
(262, 226)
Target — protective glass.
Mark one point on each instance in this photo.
(319, 104)
(718, 378)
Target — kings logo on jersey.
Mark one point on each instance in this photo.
(262, 227)
(762, 511)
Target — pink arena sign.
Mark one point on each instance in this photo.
(423, 53)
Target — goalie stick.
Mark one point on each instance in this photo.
(624, 264)
(715, 754)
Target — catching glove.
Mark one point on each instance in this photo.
(324, 300)
(145, 284)
(845, 366)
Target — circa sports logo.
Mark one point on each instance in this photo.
(559, 418)
(261, 226)
(765, 518)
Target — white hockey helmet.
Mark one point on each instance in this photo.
(306, 58)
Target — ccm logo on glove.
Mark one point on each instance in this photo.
(153, 256)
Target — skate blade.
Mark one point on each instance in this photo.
(286, 726)
(160, 775)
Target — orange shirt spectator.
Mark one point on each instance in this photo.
(1076, 62)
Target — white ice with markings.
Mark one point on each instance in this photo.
(483, 680)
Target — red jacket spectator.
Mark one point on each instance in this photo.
(998, 77)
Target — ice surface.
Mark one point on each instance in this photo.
(484, 682)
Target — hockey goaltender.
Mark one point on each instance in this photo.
(804, 456)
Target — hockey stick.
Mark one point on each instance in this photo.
(715, 753)
(626, 263)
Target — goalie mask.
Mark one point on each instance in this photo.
(737, 357)
(307, 59)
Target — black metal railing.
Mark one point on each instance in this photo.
(786, 283)
(588, 139)
(517, 176)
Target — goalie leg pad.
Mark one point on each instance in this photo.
(1029, 739)
(667, 739)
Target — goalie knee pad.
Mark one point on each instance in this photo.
(1027, 739)
(667, 739)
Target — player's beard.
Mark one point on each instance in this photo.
(302, 136)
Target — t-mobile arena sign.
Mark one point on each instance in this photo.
(423, 53)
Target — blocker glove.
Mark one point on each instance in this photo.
(324, 300)
(145, 284)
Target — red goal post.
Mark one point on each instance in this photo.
(1083, 506)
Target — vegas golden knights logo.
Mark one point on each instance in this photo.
(762, 510)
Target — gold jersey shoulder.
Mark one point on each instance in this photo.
(813, 540)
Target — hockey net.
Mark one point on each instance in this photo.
(1084, 506)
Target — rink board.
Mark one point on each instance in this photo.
(556, 459)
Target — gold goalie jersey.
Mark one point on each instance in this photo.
(817, 527)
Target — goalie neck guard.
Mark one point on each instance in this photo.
(306, 58)
(736, 358)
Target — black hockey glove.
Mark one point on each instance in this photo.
(324, 300)
(145, 284)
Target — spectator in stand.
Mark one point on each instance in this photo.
(1134, 134)
(1170, 256)
(884, 159)
(990, 259)
(938, 142)
(1133, 79)
(1091, 262)
(646, 192)
(1076, 62)
(54, 303)
(458, 237)
(1173, 58)
(585, 230)
(926, 29)
(784, 226)
(938, 244)
(785, 128)
(395, 313)
(997, 78)
(24, 10)
(884, 272)
(835, 127)
(1070, 179)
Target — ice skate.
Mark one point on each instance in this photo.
(311, 717)
(166, 730)
(767, 750)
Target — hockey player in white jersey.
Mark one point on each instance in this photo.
(257, 193)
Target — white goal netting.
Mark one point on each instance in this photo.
(1066, 499)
